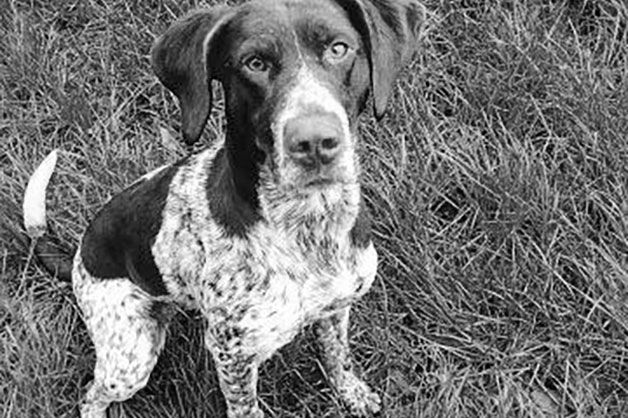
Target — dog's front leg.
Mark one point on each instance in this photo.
(237, 373)
(332, 333)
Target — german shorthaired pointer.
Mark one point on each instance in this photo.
(265, 232)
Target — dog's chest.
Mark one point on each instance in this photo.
(269, 284)
(304, 277)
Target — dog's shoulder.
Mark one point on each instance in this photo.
(118, 241)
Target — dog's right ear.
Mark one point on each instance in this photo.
(181, 59)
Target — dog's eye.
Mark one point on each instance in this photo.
(256, 64)
(337, 50)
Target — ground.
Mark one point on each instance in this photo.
(498, 184)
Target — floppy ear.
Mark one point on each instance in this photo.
(389, 30)
(181, 59)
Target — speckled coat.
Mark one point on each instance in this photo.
(265, 232)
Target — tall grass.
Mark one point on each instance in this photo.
(498, 185)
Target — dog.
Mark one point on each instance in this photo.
(264, 232)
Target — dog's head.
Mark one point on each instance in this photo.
(296, 74)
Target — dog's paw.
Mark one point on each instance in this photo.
(359, 398)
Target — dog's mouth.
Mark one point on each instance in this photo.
(323, 177)
(321, 182)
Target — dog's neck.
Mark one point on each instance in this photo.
(256, 196)
(328, 212)
(243, 160)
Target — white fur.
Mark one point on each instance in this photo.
(34, 207)
(126, 339)
(287, 274)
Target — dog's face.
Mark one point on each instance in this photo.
(296, 75)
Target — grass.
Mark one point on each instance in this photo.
(498, 183)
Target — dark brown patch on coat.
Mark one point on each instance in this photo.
(118, 241)
(388, 29)
(232, 195)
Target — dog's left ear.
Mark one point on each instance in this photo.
(389, 30)
(182, 59)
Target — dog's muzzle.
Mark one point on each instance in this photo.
(313, 140)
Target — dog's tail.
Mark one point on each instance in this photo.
(46, 247)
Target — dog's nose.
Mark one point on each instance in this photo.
(313, 139)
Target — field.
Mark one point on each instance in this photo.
(498, 184)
